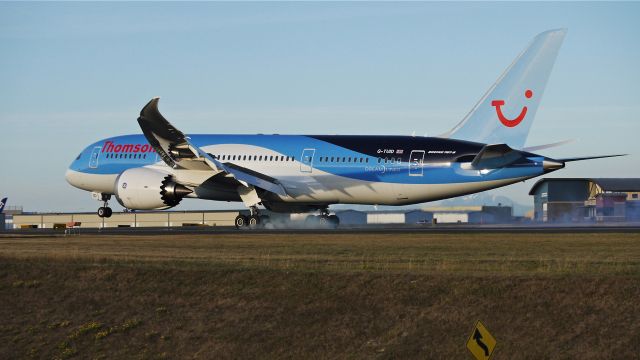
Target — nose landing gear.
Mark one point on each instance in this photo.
(105, 211)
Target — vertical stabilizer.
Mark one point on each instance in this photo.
(2, 203)
(506, 111)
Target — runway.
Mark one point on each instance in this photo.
(355, 230)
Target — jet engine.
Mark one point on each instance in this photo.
(147, 189)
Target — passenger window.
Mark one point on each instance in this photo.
(271, 158)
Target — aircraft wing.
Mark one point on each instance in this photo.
(177, 151)
(249, 177)
(171, 144)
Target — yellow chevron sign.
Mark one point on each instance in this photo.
(481, 343)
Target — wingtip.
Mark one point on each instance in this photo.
(153, 103)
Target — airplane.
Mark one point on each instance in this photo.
(3, 202)
(308, 173)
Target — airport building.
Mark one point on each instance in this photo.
(472, 214)
(558, 200)
(128, 219)
(156, 219)
(439, 215)
(6, 217)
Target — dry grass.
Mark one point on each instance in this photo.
(324, 296)
(500, 254)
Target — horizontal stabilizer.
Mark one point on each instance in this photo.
(495, 156)
(547, 146)
(590, 157)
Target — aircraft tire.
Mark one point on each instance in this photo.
(241, 221)
(323, 222)
(102, 212)
(254, 221)
(109, 212)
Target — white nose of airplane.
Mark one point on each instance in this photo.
(69, 176)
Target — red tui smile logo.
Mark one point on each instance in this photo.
(503, 119)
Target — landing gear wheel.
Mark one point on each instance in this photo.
(104, 212)
(254, 221)
(323, 221)
(241, 221)
(334, 221)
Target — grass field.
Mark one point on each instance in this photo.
(380, 295)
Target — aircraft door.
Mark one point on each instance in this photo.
(93, 161)
(415, 162)
(306, 160)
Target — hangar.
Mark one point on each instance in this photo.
(141, 219)
(127, 219)
(558, 200)
(482, 214)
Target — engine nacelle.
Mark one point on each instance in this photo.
(147, 189)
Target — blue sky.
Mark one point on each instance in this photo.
(72, 73)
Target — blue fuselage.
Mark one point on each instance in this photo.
(320, 169)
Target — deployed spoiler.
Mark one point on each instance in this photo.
(177, 151)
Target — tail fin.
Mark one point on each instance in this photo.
(506, 111)
(2, 203)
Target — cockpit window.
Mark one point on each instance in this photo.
(79, 155)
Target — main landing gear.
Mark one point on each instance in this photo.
(253, 221)
(105, 211)
(322, 221)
